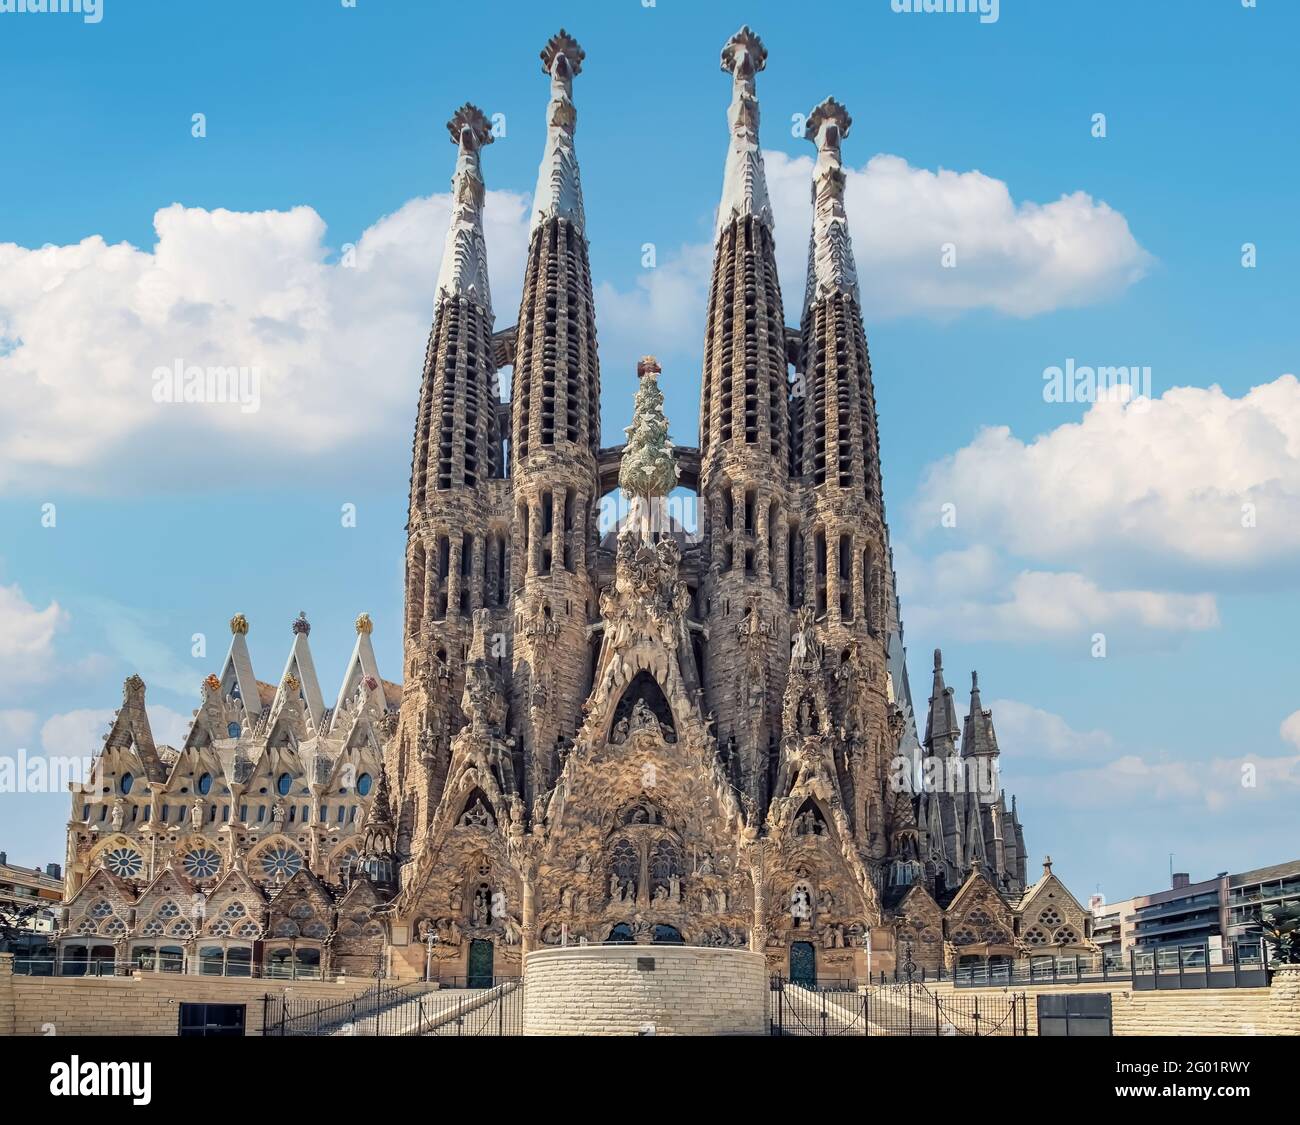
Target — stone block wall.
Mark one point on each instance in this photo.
(611, 990)
(144, 1004)
(1216, 1011)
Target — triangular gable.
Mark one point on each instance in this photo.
(361, 667)
(302, 668)
(103, 882)
(237, 680)
(975, 882)
(131, 731)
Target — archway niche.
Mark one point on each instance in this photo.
(643, 705)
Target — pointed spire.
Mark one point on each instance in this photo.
(237, 679)
(744, 184)
(941, 722)
(559, 188)
(977, 734)
(831, 268)
(464, 271)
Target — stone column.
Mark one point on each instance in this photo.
(762, 529)
(8, 1005)
(478, 573)
(527, 923)
(1283, 1000)
(535, 535)
(833, 575)
(455, 540)
(558, 534)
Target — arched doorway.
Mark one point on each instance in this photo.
(668, 935)
(803, 963)
(478, 969)
(620, 935)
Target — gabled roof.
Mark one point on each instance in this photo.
(131, 731)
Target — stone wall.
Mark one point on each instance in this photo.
(1216, 1011)
(144, 1004)
(612, 990)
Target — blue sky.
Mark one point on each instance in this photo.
(324, 127)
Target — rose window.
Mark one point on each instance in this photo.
(281, 862)
(202, 863)
(125, 863)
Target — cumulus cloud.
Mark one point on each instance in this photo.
(1195, 477)
(1216, 785)
(1029, 732)
(972, 595)
(15, 726)
(338, 344)
(1016, 258)
(338, 340)
(80, 733)
(26, 638)
(1290, 729)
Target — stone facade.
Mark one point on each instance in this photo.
(643, 733)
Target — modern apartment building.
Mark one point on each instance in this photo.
(1217, 912)
(20, 887)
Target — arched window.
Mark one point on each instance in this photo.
(126, 783)
(668, 935)
(283, 784)
(621, 934)
(363, 785)
(205, 784)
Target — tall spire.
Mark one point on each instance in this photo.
(941, 728)
(559, 187)
(464, 271)
(830, 251)
(978, 736)
(744, 186)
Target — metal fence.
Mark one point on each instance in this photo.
(1236, 965)
(417, 1008)
(907, 1008)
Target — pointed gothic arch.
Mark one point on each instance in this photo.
(642, 703)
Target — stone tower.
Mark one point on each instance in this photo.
(555, 435)
(455, 555)
(749, 586)
(848, 581)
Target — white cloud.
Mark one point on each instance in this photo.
(15, 726)
(26, 638)
(970, 595)
(77, 734)
(1290, 729)
(338, 350)
(1017, 258)
(1195, 477)
(1029, 732)
(1214, 786)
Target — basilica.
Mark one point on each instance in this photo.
(648, 732)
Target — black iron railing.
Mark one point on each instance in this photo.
(907, 1008)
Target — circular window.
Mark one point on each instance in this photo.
(363, 785)
(126, 783)
(125, 863)
(281, 862)
(205, 784)
(202, 863)
(282, 784)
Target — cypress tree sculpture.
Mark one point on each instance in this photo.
(648, 471)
